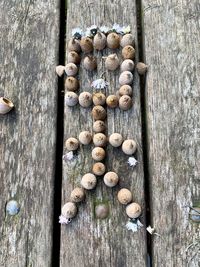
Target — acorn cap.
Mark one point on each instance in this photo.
(99, 41)
(99, 126)
(73, 57)
(71, 144)
(127, 39)
(133, 210)
(128, 52)
(85, 99)
(71, 99)
(77, 195)
(71, 69)
(129, 147)
(90, 63)
(98, 168)
(112, 62)
(71, 84)
(99, 99)
(86, 45)
(69, 210)
(115, 139)
(141, 68)
(98, 113)
(89, 181)
(125, 90)
(98, 153)
(125, 102)
(127, 65)
(126, 77)
(111, 179)
(85, 137)
(60, 70)
(113, 40)
(73, 45)
(124, 196)
(100, 139)
(112, 101)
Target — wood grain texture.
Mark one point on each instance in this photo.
(88, 241)
(29, 54)
(172, 45)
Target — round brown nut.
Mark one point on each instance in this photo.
(127, 65)
(111, 179)
(133, 210)
(71, 69)
(85, 99)
(124, 196)
(99, 41)
(113, 40)
(115, 139)
(90, 63)
(85, 137)
(71, 99)
(112, 62)
(99, 126)
(89, 181)
(141, 68)
(126, 90)
(71, 84)
(73, 57)
(98, 113)
(101, 211)
(112, 101)
(73, 45)
(126, 77)
(99, 99)
(98, 168)
(98, 153)
(127, 39)
(69, 210)
(71, 144)
(86, 45)
(99, 139)
(125, 102)
(129, 147)
(128, 52)
(77, 195)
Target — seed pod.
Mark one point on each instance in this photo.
(99, 99)
(101, 211)
(85, 99)
(98, 168)
(128, 52)
(99, 139)
(115, 139)
(99, 41)
(71, 99)
(126, 90)
(71, 144)
(98, 153)
(89, 181)
(73, 57)
(133, 210)
(60, 70)
(126, 77)
(85, 137)
(111, 179)
(129, 147)
(71, 69)
(125, 102)
(141, 68)
(86, 45)
(73, 45)
(127, 64)
(90, 63)
(71, 84)
(5, 105)
(113, 40)
(112, 62)
(99, 126)
(112, 101)
(124, 196)
(98, 113)
(77, 195)
(69, 210)
(127, 39)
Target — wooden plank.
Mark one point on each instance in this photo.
(172, 44)
(88, 241)
(29, 54)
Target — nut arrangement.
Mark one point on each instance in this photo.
(80, 47)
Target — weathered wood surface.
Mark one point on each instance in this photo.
(29, 53)
(172, 45)
(88, 241)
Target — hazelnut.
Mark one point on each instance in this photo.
(124, 196)
(128, 52)
(115, 139)
(129, 147)
(73, 45)
(99, 126)
(86, 45)
(98, 113)
(113, 40)
(89, 181)
(99, 41)
(71, 99)
(112, 62)
(101, 211)
(90, 63)
(71, 69)
(126, 77)
(127, 39)
(133, 210)
(71, 144)
(73, 57)
(98, 153)
(125, 102)
(125, 90)
(69, 210)
(127, 64)
(99, 99)
(112, 101)
(85, 99)
(141, 68)
(71, 84)
(85, 137)
(111, 179)
(98, 168)
(77, 195)
(99, 139)
(60, 70)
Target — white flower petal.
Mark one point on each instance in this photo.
(77, 30)
(99, 84)
(104, 29)
(63, 220)
(132, 161)
(69, 156)
(134, 226)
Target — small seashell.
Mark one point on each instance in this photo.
(12, 207)
(60, 70)
(99, 41)
(5, 105)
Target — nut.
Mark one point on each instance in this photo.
(90, 63)
(98, 153)
(126, 77)
(125, 102)
(86, 45)
(89, 181)
(85, 137)
(60, 70)
(69, 210)
(141, 68)
(71, 84)
(73, 45)
(127, 39)
(77, 195)
(128, 52)
(111, 179)
(99, 99)
(73, 57)
(124, 196)
(85, 99)
(99, 41)
(71, 144)
(126, 90)
(127, 65)
(133, 210)
(129, 147)
(112, 62)
(99, 139)
(98, 168)
(115, 139)
(113, 40)
(112, 101)
(98, 113)
(99, 126)
(71, 99)
(71, 69)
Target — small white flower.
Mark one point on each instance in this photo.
(117, 28)
(126, 29)
(63, 220)
(150, 229)
(132, 161)
(134, 226)
(69, 156)
(99, 84)
(104, 29)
